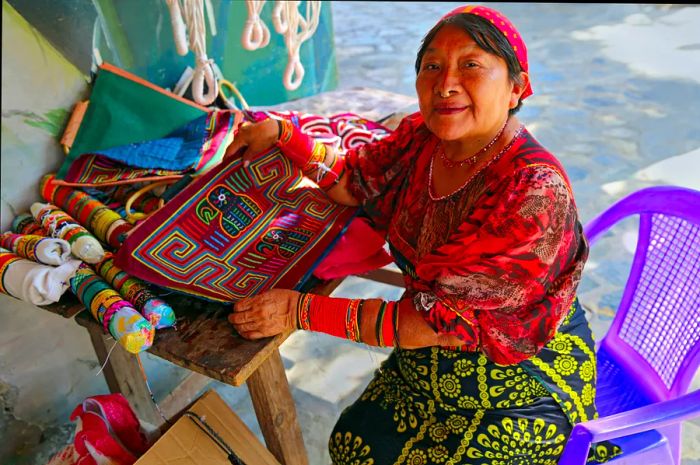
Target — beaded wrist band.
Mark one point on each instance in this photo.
(385, 329)
(323, 166)
(342, 318)
(395, 326)
(303, 307)
(335, 316)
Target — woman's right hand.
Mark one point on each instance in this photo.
(255, 138)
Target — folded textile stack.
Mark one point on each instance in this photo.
(136, 292)
(107, 224)
(58, 223)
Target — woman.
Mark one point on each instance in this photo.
(493, 360)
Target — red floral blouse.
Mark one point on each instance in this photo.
(496, 263)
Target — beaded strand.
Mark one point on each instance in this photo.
(516, 136)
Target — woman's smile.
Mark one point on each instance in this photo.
(446, 109)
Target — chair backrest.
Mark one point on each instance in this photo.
(655, 335)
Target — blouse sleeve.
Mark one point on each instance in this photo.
(378, 170)
(503, 286)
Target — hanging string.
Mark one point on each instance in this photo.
(107, 358)
(145, 379)
(296, 30)
(210, 17)
(190, 18)
(255, 32)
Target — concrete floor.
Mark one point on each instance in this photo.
(613, 90)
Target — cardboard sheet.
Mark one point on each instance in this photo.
(186, 444)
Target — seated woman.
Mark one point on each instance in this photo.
(493, 359)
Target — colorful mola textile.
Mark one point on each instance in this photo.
(236, 231)
(343, 131)
(195, 147)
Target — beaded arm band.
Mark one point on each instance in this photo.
(342, 317)
(323, 166)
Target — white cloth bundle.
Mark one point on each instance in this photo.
(33, 282)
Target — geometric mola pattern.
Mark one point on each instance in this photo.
(235, 232)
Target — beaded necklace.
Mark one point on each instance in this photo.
(516, 136)
(471, 160)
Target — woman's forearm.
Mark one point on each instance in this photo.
(414, 332)
(410, 329)
(340, 193)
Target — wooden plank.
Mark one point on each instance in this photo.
(67, 307)
(123, 374)
(183, 395)
(276, 413)
(382, 275)
(326, 287)
(205, 342)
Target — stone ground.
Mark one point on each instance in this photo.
(614, 86)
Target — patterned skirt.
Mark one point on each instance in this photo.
(438, 406)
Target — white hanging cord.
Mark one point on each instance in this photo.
(193, 13)
(210, 17)
(255, 32)
(296, 29)
(107, 358)
(179, 30)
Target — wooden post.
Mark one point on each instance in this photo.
(274, 407)
(123, 374)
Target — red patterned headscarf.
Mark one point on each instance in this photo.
(506, 27)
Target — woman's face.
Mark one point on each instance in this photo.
(464, 92)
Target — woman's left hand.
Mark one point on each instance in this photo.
(267, 314)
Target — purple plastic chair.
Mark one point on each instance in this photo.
(651, 352)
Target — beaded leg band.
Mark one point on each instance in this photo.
(323, 166)
(342, 318)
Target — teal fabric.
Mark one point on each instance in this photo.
(123, 111)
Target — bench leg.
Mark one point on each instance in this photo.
(274, 408)
(123, 374)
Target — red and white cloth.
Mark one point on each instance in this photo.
(107, 433)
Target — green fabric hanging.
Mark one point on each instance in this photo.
(124, 109)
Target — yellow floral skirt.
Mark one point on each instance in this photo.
(437, 406)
